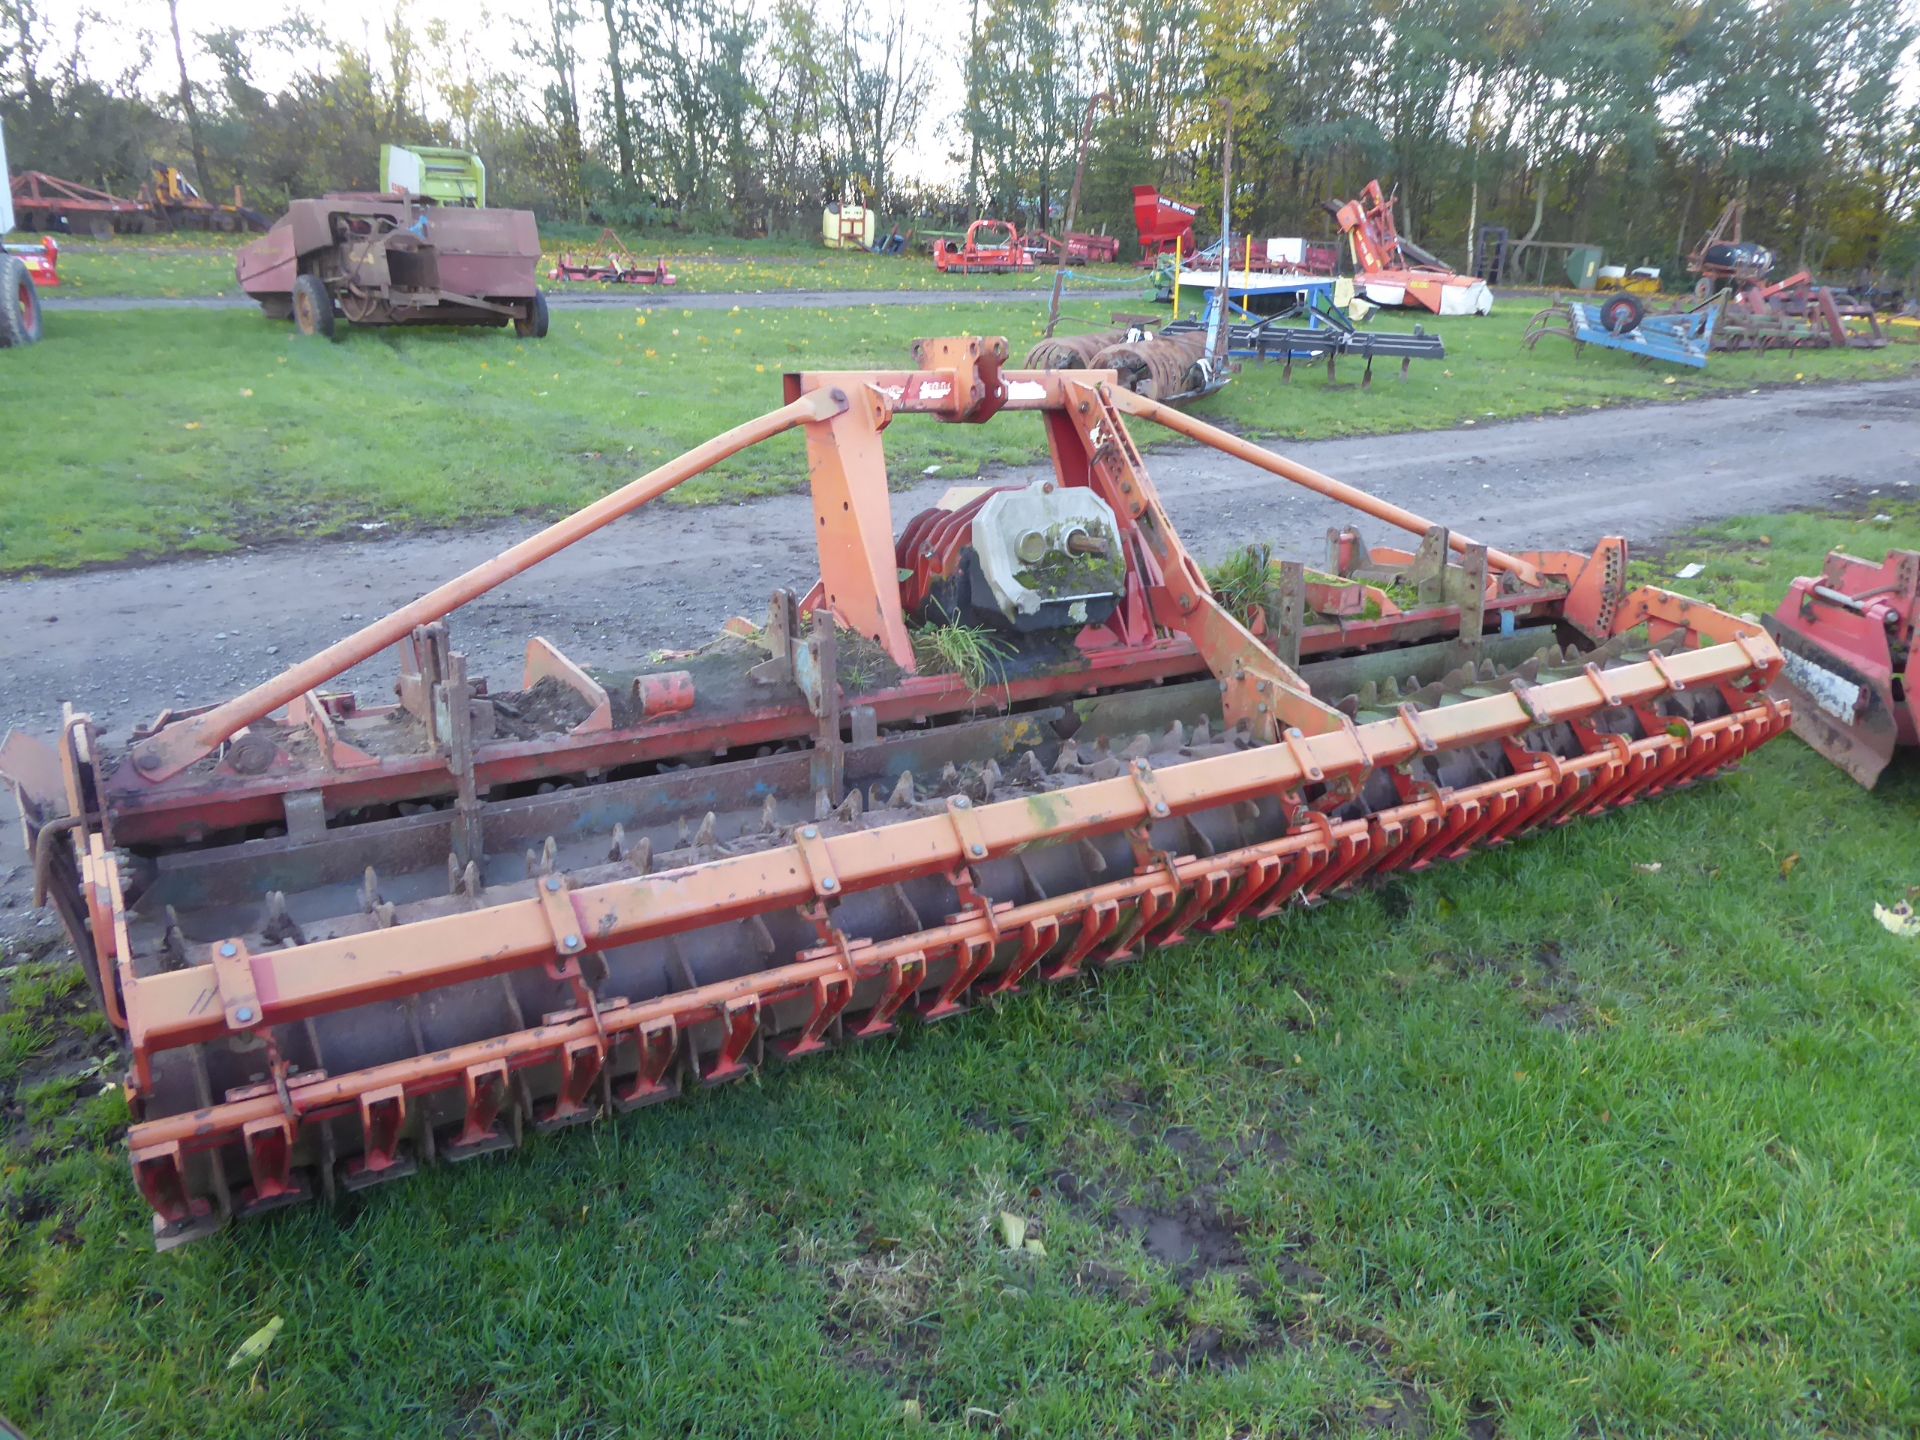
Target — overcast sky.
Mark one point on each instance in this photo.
(361, 21)
(483, 30)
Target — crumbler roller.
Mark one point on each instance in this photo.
(343, 939)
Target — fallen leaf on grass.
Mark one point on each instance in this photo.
(1013, 1229)
(1651, 867)
(255, 1345)
(1898, 919)
(1786, 865)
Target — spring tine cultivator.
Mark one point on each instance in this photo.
(342, 939)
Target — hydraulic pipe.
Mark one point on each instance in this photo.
(1131, 404)
(179, 745)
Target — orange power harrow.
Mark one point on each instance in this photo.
(341, 939)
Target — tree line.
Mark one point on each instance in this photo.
(1624, 123)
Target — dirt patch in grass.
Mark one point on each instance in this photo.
(878, 1306)
(1191, 1234)
(1235, 1307)
(1541, 979)
(476, 1415)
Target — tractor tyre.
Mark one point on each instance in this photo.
(19, 304)
(534, 327)
(312, 306)
(1622, 313)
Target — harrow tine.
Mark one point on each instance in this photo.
(481, 1131)
(655, 1047)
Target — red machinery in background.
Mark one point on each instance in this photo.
(616, 266)
(395, 259)
(1268, 255)
(167, 201)
(1768, 314)
(1392, 270)
(992, 247)
(1078, 248)
(1722, 258)
(1166, 228)
(1165, 225)
(1846, 638)
(47, 202)
(42, 260)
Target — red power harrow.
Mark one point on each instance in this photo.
(343, 939)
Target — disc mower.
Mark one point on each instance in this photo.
(344, 939)
(1846, 637)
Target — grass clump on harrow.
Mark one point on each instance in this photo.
(973, 652)
(1244, 579)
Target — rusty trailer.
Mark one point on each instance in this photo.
(342, 939)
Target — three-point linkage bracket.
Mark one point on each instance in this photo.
(1258, 690)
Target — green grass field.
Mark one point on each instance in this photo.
(161, 432)
(1609, 1132)
(176, 267)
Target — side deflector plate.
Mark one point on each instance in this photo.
(1844, 713)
